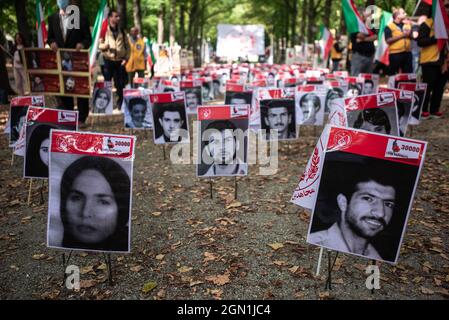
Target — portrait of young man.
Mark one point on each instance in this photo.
(170, 123)
(377, 120)
(223, 148)
(238, 98)
(278, 117)
(193, 98)
(137, 113)
(368, 87)
(362, 205)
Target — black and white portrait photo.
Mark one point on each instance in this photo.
(66, 61)
(193, 98)
(331, 95)
(362, 205)
(170, 122)
(238, 97)
(277, 117)
(223, 149)
(312, 108)
(90, 203)
(37, 148)
(16, 121)
(377, 120)
(137, 112)
(354, 90)
(102, 102)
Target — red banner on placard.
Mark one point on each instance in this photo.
(167, 97)
(37, 101)
(380, 146)
(231, 87)
(52, 116)
(385, 99)
(306, 88)
(224, 112)
(93, 144)
(399, 94)
(190, 84)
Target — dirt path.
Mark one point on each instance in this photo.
(194, 247)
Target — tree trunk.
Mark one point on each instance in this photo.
(294, 35)
(4, 79)
(22, 19)
(182, 30)
(193, 17)
(160, 25)
(121, 9)
(172, 22)
(304, 19)
(327, 13)
(137, 15)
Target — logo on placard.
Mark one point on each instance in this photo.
(37, 101)
(353, 104)
(64, 116)
(406, 95)
(206, 113)
(385, 98)
(116, 145)
(239, 111)
(402, 149)
(342, 139)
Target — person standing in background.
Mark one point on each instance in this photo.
(434, 65)
(115, 49)
(62, 35)
(336, 54)
(19, 71)
(397, 36)
(137, 57)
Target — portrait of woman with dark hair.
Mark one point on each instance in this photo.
(36, 160)
(101, 101)
(95, 205)
(310, 105)
(137, 109)
(373, 120)
(332, 94)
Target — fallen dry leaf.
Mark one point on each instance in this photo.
(39, 256)
(234, 204)
(136, 268)
(84, 284)
(293, 269)
(147, 287)
(156, 214)
(160, 257)
(209, 257)
(184, 269)
(219, 279)
(425, 290)
(276, 246)
(195, 283)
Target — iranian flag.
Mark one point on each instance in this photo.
(354, 22)
(326, 42)
(151, 59)
(382, 52)
(440, 22)
(40, 25)
(99, 31)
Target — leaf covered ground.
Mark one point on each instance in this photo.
(186, 245)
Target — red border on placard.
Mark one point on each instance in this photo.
(368, 144)
(231, 87)
(365, 102)
(306, 88)
(218, 112)
(25, 101)
(166, 97)
(86, 143)
(397, 92)
(49, 115)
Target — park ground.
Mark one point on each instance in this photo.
(186, 245)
